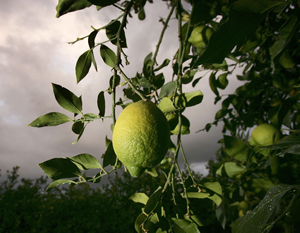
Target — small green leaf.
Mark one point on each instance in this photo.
(56, 183)
(184, 226)
(188, 76)
(167, 89)
(214, 186)
(200, 195)
(90, 117)
(112, 31)
(166, 105)
(232, 169)
(80, 133)
(60, 168)
(236, 148)
(85, 161)
(83, 65)
(164, 64)
(213, 83)
(50, 119)
(101, 104)
(77, 127)
(66, 6)
(109, 157)
(67, 99)
(222, 81)
(153, 201)
(193, 98)
(139, 198)
(108, 56)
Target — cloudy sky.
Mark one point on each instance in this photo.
(34, 53)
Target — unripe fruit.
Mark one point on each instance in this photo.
(200, 36)
(263, 135)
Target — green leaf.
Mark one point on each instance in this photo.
(77, 127)
(139, 198)
(214, 186)
(101, 104)
(222, 81)
(66, 6)
(166, 105)
(153, 201)
(216, 199)
(67, 99)
(167, 89)
(60, 168)
(200, 195)
(109, 157)
(108, 56)
(91, 41)
(184, 226)
(188, 76)
(213, 83)
(244, 17)
(112, 31)
(236, 148)
(90, 117)
(232, 169)
(193, 98)
(164, 64)
(255, 221)
(103, 3)
(285, 34)
(83, 65)
(50, 119)
(56, 183)
(85, 161)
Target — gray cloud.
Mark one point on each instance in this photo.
(34, 52)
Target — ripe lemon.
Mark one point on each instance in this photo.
(141, 137)
(264, 135)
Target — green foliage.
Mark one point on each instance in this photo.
(259, 36)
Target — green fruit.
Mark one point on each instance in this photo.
(200, 36)
(264, 135)
(141, 137)
(243, 205)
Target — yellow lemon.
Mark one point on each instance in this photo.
(141, 137)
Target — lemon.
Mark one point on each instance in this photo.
(264, 135)
(141, 137)
(200, 36)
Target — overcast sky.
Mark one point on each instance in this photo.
(34, 53)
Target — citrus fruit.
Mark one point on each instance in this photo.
(200, 36)
(141, 137)
(264, 135)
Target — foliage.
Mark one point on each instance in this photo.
(260, 37)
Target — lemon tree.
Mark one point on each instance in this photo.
(141, 137)
(253, 35)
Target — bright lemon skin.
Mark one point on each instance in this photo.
(141, 137)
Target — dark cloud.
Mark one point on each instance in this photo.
(34, 53)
